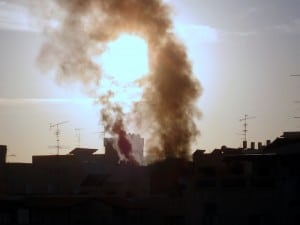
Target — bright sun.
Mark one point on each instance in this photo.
(124, 62)
(126, 58)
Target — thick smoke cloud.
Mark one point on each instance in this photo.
(170, 91)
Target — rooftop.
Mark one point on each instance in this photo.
(85, 151)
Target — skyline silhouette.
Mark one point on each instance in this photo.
(243, 60)
(256, 184)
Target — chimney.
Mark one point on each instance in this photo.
(244, 144)
(252, 145)
(259, 145)
(268, 142)
(3, 150)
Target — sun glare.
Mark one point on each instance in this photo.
(124, 62)
(126, 58)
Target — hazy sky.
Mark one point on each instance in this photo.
(243, 53)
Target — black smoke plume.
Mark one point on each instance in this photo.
(170, 89)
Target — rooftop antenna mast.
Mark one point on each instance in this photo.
(101, 133)
(245, 124)
(78, 130)
(57, 134)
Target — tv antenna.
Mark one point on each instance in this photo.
(78, 130)
(245, 124)
(57, 134)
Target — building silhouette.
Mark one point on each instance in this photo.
(228, 186)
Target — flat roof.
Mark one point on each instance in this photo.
(78, 151)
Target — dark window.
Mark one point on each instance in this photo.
(237, 169)
(207, 171)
